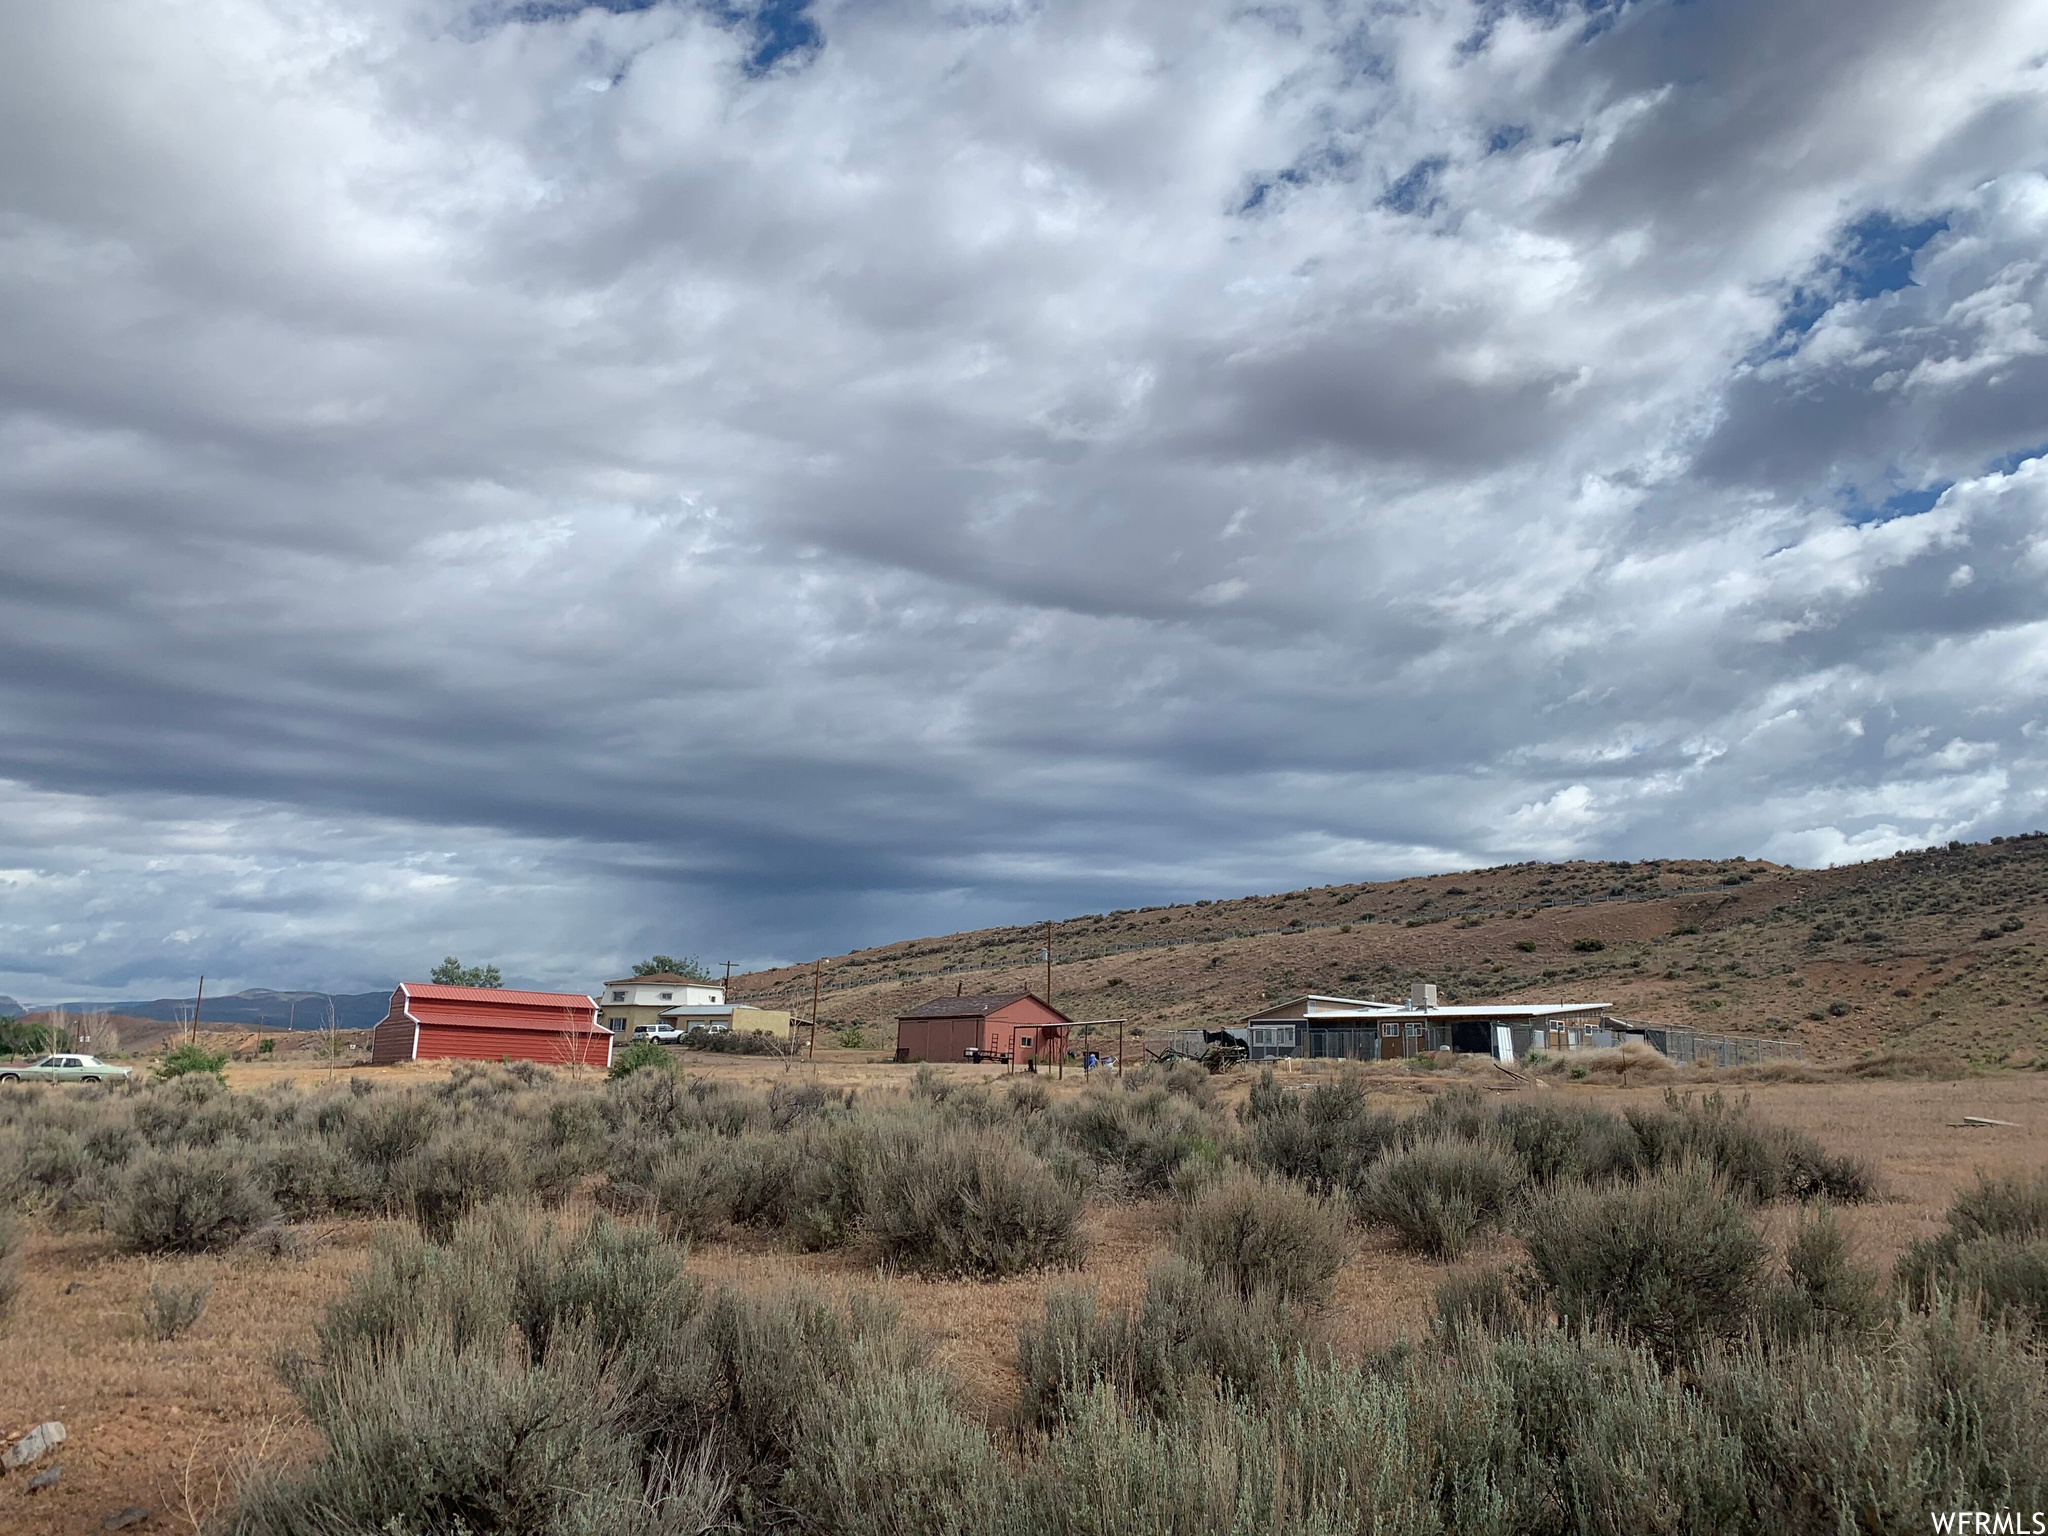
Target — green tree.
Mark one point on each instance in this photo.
(669, 965)
(451, 972)
(18, 1037)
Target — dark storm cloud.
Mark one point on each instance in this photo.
(552, 483)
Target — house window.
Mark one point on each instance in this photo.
(618, 997)
(621, 1023)
(1272, 1034)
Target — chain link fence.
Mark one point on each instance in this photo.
(1698, 1047)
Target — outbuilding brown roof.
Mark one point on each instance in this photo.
(964, 1007)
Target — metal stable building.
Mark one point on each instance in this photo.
(1359, 1029)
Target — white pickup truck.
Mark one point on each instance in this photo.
(65, 1067)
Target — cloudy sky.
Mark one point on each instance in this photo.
(757, 478)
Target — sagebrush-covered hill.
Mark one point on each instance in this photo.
(1937, 950)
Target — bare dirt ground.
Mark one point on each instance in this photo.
(169, 1425)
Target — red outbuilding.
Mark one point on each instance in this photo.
(1009, 1026)
(490, 1024)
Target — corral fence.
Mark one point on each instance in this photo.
(1700, 1048)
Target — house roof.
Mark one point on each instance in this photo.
(661, 979)
(1462, 1011)
(974, 1007)
(1320, 1003)
(489, 1007)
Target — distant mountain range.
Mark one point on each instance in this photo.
(259, 1007)
(9, 1008)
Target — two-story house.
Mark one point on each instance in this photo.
(636, 1000)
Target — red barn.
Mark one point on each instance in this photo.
(1010, 1026)
(489, 1024)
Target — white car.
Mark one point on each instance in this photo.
(65, 1067)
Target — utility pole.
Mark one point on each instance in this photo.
(192, 1035)
(817, 972)
(728, 981)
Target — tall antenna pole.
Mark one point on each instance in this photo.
(1048, 964)
(193, 1033)
(817, 970)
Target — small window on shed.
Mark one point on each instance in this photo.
(1023, 1039)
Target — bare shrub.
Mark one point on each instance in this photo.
(759, 1365)
(1439, 1195)
(1669, 1260)
(454, 1174)
(703, 1186)
(828, 1196)
(1564, 1142)
(11, 1244)
(791, 1104)
(436, 1438)
(1487, 1301)
(1327, 1138)
(602, 1285)
(383, 1130)
(1028, 1096)
(1995, 1248)
(1258, 1234)
(1142, 1139)
(277, 1242)
(185, 1201)
(1632, 1063)
(1184, 1078)
(2007, 1277)
(959, 1202)
(736, 1042)
(1761, 1159)
(1190, 1332)
(1460, 1112)
(1823, 1293)
(888, 1455)
(1949, 1411)
(54, 1173)
(308, 1175)
(2013, 1206)
(169, 1310)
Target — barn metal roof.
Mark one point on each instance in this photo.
(485, 1007)
(1461, 1011)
